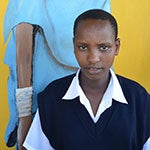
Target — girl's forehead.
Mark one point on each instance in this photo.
(95, 29)
(94, 25)
(91, 24)
(94, 22)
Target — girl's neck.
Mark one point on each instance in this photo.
(94, 85)
(94, 90)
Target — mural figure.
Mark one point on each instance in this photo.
(39, 51)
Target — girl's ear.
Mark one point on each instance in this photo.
(117, 42)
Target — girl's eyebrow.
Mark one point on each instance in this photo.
(98, 43)
(105, 43)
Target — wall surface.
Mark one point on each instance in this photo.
(133, 60)
(4, 71)
(134, 57)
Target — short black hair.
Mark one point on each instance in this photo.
(96, 14)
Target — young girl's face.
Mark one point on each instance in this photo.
(95, 47)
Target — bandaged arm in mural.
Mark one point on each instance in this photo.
(24, 47)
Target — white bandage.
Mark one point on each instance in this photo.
(24, 101)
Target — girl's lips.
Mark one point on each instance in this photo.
(94, 70)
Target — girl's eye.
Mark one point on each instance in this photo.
(82, 47)
(103, 48)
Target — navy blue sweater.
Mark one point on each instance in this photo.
(68, 126)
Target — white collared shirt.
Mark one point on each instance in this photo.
(113, 91)
(106, 102)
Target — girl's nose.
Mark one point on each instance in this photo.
(93, 57)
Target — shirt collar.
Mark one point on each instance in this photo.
(117, 93)
(117, 90)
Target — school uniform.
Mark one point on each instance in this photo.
(65, 120)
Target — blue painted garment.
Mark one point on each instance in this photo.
(53, 50)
